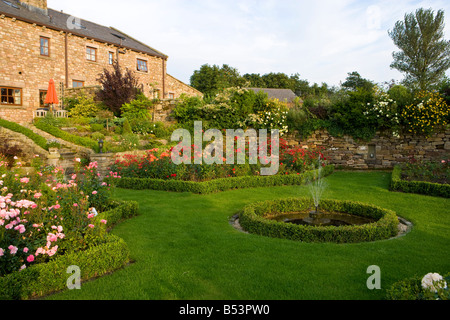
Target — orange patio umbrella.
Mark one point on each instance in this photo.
(52, 97)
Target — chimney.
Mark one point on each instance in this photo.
(39, 6)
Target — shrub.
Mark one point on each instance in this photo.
(253, 219)
(218, 185)
(138, 108)
(426, 115)
(411, 289)
(85, 107)
(127, 127)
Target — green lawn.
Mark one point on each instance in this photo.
(184, 248)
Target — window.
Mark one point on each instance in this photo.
(91, 54)
(45, 46)
(42, 96)
(11, 96)
(77, 84)
(171, 95)
(111, 57)
(142, 65)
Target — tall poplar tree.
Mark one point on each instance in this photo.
(424, 54)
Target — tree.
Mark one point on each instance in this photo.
(424, 54)
(354, 81)
(118, 88)
(210, 80)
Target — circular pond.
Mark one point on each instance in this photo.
(338, 222)
(322, 219)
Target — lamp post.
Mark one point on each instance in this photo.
(100, 145)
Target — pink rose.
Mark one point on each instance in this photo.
(30, 258)
(94, 192)
(12, 249)
(104, 221)
(37, 195)
(91, 226)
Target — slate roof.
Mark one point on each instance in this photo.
(286, 95)
(59, 21)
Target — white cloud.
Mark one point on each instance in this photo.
(321, 40)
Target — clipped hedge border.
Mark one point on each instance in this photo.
(419, 187)
(54, 131)
(218, 185)
(39, 140)
(44, 279)
(253, 220)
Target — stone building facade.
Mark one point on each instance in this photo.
(38, 44)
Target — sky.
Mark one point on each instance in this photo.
(321, 40)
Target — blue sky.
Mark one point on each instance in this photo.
(322, 40)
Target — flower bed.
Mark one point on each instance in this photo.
(253, 219)
(158, 164)
(45, 219)
(419, 187)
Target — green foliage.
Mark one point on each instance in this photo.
(138, 108)
(127, 127)
(253, 219)
(46, 278)
(40, 141)
(419, 187)
(84, 107)
(218, 185)
(411, 289)
(210, 80)
(354, 82)
(348, 115)
(81, 141)
(424, 54)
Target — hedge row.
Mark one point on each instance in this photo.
(420, 187)
(411, 289)
(54, 131)
(43, 279)
(219, 185)
(253, 219)
(39, 140)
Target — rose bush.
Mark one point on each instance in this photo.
(45, 215)
(157, 164)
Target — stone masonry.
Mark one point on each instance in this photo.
(22, 66)
(382, 152)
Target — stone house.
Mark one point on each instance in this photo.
(38, 44)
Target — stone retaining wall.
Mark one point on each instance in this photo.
(382, 152)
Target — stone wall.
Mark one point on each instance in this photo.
(382, 152)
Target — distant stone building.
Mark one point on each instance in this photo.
(38, 44)
(284, 95)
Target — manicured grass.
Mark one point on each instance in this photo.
(185, 248)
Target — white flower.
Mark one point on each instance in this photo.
(433, 282)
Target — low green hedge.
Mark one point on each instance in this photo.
(43, 279)
(411, 289)
(54, 131)
(253, 219)
(219, 185)
(420, 187)
(39, 140)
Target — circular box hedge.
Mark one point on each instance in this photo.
(254, 219)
